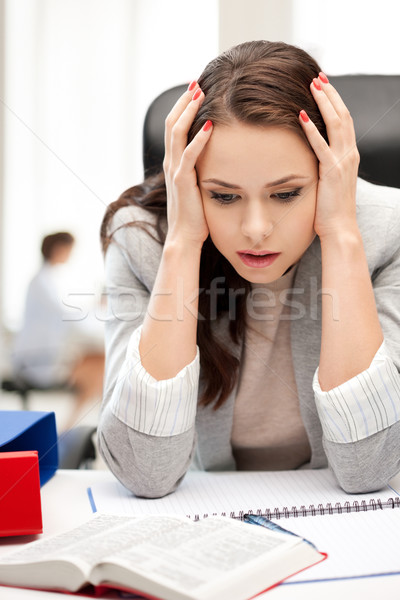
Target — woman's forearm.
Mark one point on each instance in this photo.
(168, 339)
(351, 332)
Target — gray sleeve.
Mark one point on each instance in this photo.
(147, 465)
(368, 464)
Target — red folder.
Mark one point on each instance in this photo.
(20, 504)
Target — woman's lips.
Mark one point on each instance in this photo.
(258, 260)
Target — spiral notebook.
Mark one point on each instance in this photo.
(275, 494)
(359, 532)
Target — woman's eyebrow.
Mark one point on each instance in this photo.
(234, 186)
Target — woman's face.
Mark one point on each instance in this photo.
(259, 190)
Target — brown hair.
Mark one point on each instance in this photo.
(265, 83)
(55, 240)
(260, 82)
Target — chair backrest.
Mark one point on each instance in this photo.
(373, 101)
(153, 129)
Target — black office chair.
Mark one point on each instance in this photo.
(76, 448)
(373, 101)
(24, 389)
(153, 129)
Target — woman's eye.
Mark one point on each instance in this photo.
(224, 198)
(287, 196)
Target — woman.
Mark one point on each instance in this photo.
(253, 288)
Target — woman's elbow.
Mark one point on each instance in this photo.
(147, 466)
(365, 466)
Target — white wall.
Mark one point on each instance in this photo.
(241, 21)
(349, 36)
(80, 74)
(79, 77)
(345, 36)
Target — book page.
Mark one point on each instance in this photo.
(153, 553)
(100, 537)
(77, 544)
(192, 553)
(215, 554)
(53, 562)
(62, 561)
(207, 493)
(106, 535)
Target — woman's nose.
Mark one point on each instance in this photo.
(257, 223)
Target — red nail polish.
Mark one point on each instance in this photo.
(304, 116)
(207, 125)
(196, 94)
(323, 77)
(192, 85)
(317, 84)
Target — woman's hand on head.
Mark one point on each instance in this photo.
(338, 161)
(186, 221)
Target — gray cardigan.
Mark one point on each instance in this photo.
(153, 466)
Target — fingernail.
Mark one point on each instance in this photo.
(207, 125)
(192, 85)
(196, 94)
(323, 77)
(317, 84)
(304, 116)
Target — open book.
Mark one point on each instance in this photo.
(164, 557)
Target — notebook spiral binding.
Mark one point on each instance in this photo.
(312, 510)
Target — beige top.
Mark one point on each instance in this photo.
(268, 432)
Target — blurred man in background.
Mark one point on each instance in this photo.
(51, 350)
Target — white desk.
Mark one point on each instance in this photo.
(65, 505)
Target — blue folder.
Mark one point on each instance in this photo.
(31, 430)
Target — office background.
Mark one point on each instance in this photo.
(76, 78)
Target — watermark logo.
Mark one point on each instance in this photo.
(261, 303)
